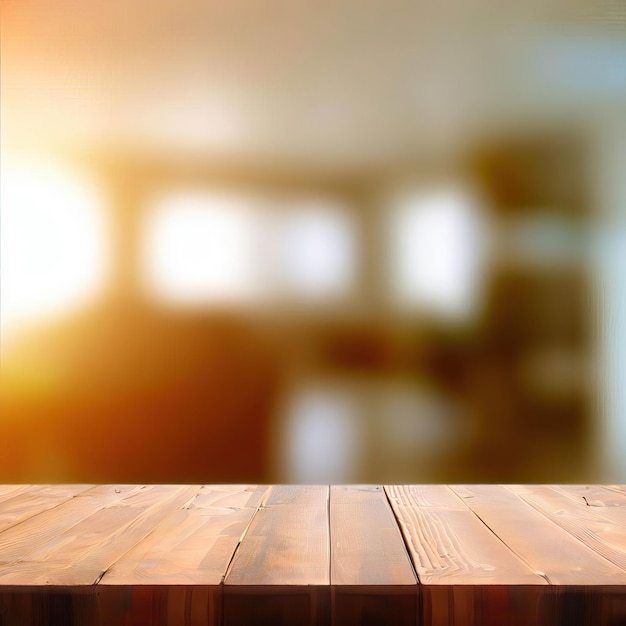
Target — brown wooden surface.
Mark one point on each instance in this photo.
(594, 495)
(433, 555)
(600, 528)
(180, 566)
(194, 544)
(17, 543)
(450, 545)
(371, 574)
(281, 572)
(20, 505)
(80, 554)
(585, 587)
(467, 575)
(9, 491)
(549, 549)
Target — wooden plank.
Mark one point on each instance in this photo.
(83, 552)
(450, 545)
(372, 579)
(466, 572)
(281, 572)
(545, 546)
(601, 528)
(19, 541)
(194, 544)
(36, 499)
(288, 541)
(312, 555)
(367, 546)
(180, 566)
(586, 588)
(49, 604)
(8, 491)
(595, 496)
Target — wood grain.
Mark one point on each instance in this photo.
(18, 541)
(467, 575)
(601, 528)
(180, 566)
(281, 572)
(22, 505)
(8, 491)
(79, 555)
(449, 544)
(594, 495)
(545, 546)
(371, 575)
(288, 540)
(194, 544)
(176, 555)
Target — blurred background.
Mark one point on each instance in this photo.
(313, 242)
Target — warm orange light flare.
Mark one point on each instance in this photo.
(53, 242)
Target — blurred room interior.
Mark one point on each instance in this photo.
(313, 242)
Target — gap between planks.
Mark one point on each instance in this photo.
(261, 505)
(404, 539)
(554, 552)
(88, 573)
(592, 525)
(151, 532)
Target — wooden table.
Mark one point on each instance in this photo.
(362, 554)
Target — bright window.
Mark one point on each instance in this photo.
(437, 244)
(54, 248)
(200, 248)
(205, 248)
(316, 251)
(321, 441)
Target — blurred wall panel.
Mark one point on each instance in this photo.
(609, 267)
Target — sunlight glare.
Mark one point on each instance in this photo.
(199, 248)
(52, 242)
(438, 244)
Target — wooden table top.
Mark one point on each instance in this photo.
(358, 554)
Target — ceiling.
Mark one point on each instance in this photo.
(329, 83)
